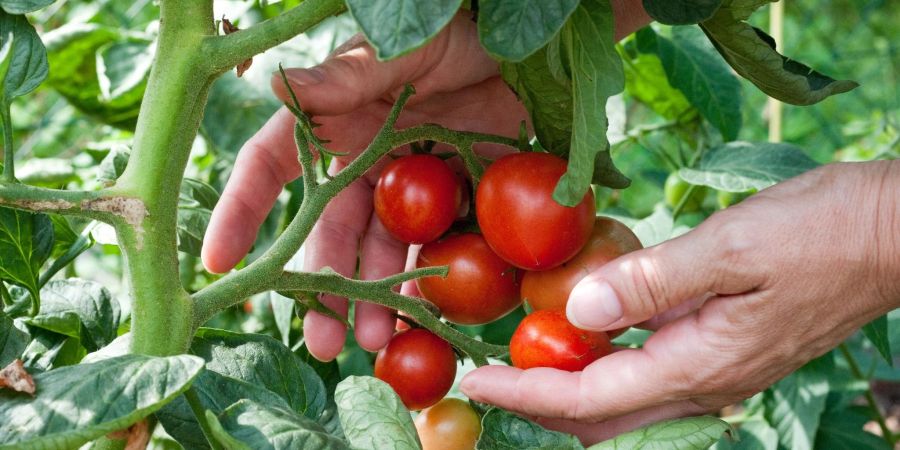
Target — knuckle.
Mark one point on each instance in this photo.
(650, 291)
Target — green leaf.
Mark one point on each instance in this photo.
(122, 70)
(693, 67)
(235, 111)
(48, 350)
(752, 435)
(28, 64)
(511, 30)
(49, 172)
(794, 404)
(26, 242)
(678, 434)
(216, 393)
(270, 427)
(283, 311)
(12, 340)
(24, 6)
(740, 166)
(261, 360)
(843, 430)
(655, 228)
(753, 56)
(195, 204)
(113, 164)
(99, 398)
(81, 309)
(646, 81)
(681, 12)
(397, 27)
(596, 75)
(504, 430)
(373, 417)
(877, 332)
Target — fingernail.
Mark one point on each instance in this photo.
(468, 384)
(306, 77)
(593, 305)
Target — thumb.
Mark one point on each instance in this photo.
(639, 285)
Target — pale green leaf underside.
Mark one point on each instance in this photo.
(741, 166)
(265, 427)
(694, 433)
(373, 417)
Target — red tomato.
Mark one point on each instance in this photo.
(417, 198)
(547, 339)
(519, 218)
(550, 289)
(419, 365)
(451, 424)
(480, 287)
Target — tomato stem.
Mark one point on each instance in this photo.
(887, 435)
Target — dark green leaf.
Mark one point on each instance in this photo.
(263, 361)
(48, 350)
(235, 111)
(23, 6)
(681, 12)
(397, 27)
(12, 340)
(794, 404)
(752, 435)
(195, 204)
(81, 309)
(596, 75)
(216, 393)
(512, 30)
(693, 67)
(373, 417)
(122, 71)
(752, 54)
(877, 332)
(28, 64)
(26, 241)
(262, 427)
(330, 374)
(741, 166)
(678, 434)
(503, 430)
(99, 398)
(843, 430)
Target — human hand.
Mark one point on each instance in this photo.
(741, 301)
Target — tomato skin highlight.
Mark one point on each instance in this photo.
(519, 218)
(550, 289)
(418, 365)
(547, 339)
(417, 198)
(480, 286)
(451, 424)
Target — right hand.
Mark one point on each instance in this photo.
(458, 86)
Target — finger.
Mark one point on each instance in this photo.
(334, 243)
(409, 287)
(381, 255)
(264, 165)
(355, 77)
(645, 283)
(660, 320)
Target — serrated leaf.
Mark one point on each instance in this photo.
(678, 434)
(196, 201)
(263, 361)
(511, 30)
(28, 64)
(693, 67)
(681, 12)
(122, 70)
(596, 75)
(26, 242)
(99, 398)
(81, 309)
(397, 27)
(752, 54)
(12, 340)
(263, 427)
(23, 6)
(502, 430)
(373, 417)
(877, 333)
(216, 393)
(843, 430)
(740, 166)
(794, 404)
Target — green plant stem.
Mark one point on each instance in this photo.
(381, 292)
(193, 401)
(227, 51)
(99, 205)
(9, 153)
(870, 398)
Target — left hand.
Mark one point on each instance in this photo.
(746, 298)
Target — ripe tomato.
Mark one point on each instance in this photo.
(419, 365)
(480, 287)
(550, 289)
(451, 424)
(417, 198)
(547, 339)
(675, 189)
(519, 218)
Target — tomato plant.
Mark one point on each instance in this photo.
(451, 424)
(547, 339)
(520, 219)
(676, 189)
(417, 198)
(479, 288)
(418, 365)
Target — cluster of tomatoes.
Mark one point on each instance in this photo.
(530, 247)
